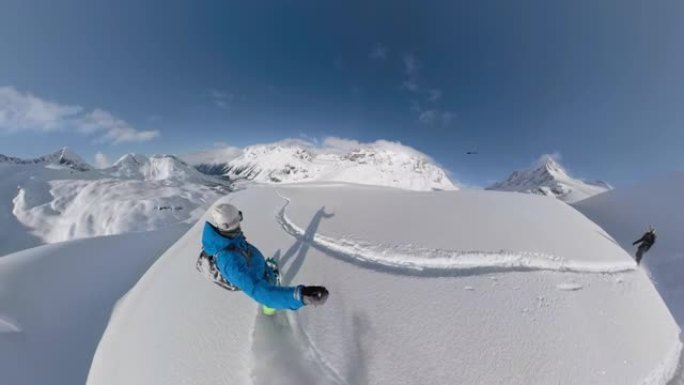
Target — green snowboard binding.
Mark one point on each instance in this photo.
(274, 278)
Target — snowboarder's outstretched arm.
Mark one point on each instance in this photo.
(236, 271)
(643, 238)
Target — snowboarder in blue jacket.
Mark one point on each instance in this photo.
(243, 265)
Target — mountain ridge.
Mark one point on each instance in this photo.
(62, 157)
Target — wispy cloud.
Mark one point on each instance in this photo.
(22, 111)
(101, 160)
(434, 95)
(432, 116)
(428, 117)
(545, 158)
(379, 52)
(411, 85)
(222, 99)
(308, 138)
(112, 128)
(411, 64)
(411, 69)
(436, 117)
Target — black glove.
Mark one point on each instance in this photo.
(314, 295)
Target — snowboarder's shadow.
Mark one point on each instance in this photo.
(300, 247)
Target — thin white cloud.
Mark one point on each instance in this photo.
(340, 144)
(436, 117)
(428, 117)
(101, 160)
(222, 153)
(308, 138)
(411, 67)
(21, 111)
(379, 52)
(222, 99)
(411, 64)
(411, 85)
(544, 158)
(434, 95)
(447, 117)
(431, 116)
(25, 112)
(112, 128)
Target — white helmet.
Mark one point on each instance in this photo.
(651, 229)
(226, 217)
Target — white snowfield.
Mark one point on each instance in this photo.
(55, 302)
(403, 308)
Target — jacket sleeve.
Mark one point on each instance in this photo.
(235, 268)
(639, 240)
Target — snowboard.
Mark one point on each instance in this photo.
(272, 265)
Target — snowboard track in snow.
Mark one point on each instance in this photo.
(414, 260)
(284, 353)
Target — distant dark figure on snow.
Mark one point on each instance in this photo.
(647, 240)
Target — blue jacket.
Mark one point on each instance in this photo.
(244, 266)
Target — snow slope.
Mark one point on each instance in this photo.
(426, 288)
(380, 163)
(59, 197)
(55, 302)
(626, 214)
(551, 179)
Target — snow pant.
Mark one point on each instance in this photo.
(640, 252)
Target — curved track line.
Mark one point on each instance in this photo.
(415, 260)
(285, 354)
(327, 368)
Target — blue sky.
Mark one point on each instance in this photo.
(600, 82)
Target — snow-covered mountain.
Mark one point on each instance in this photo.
(215, 169)
(490, 288)
(376, 163)
(65, 157)
(60, 197)
(551, 179)
(159, 168)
